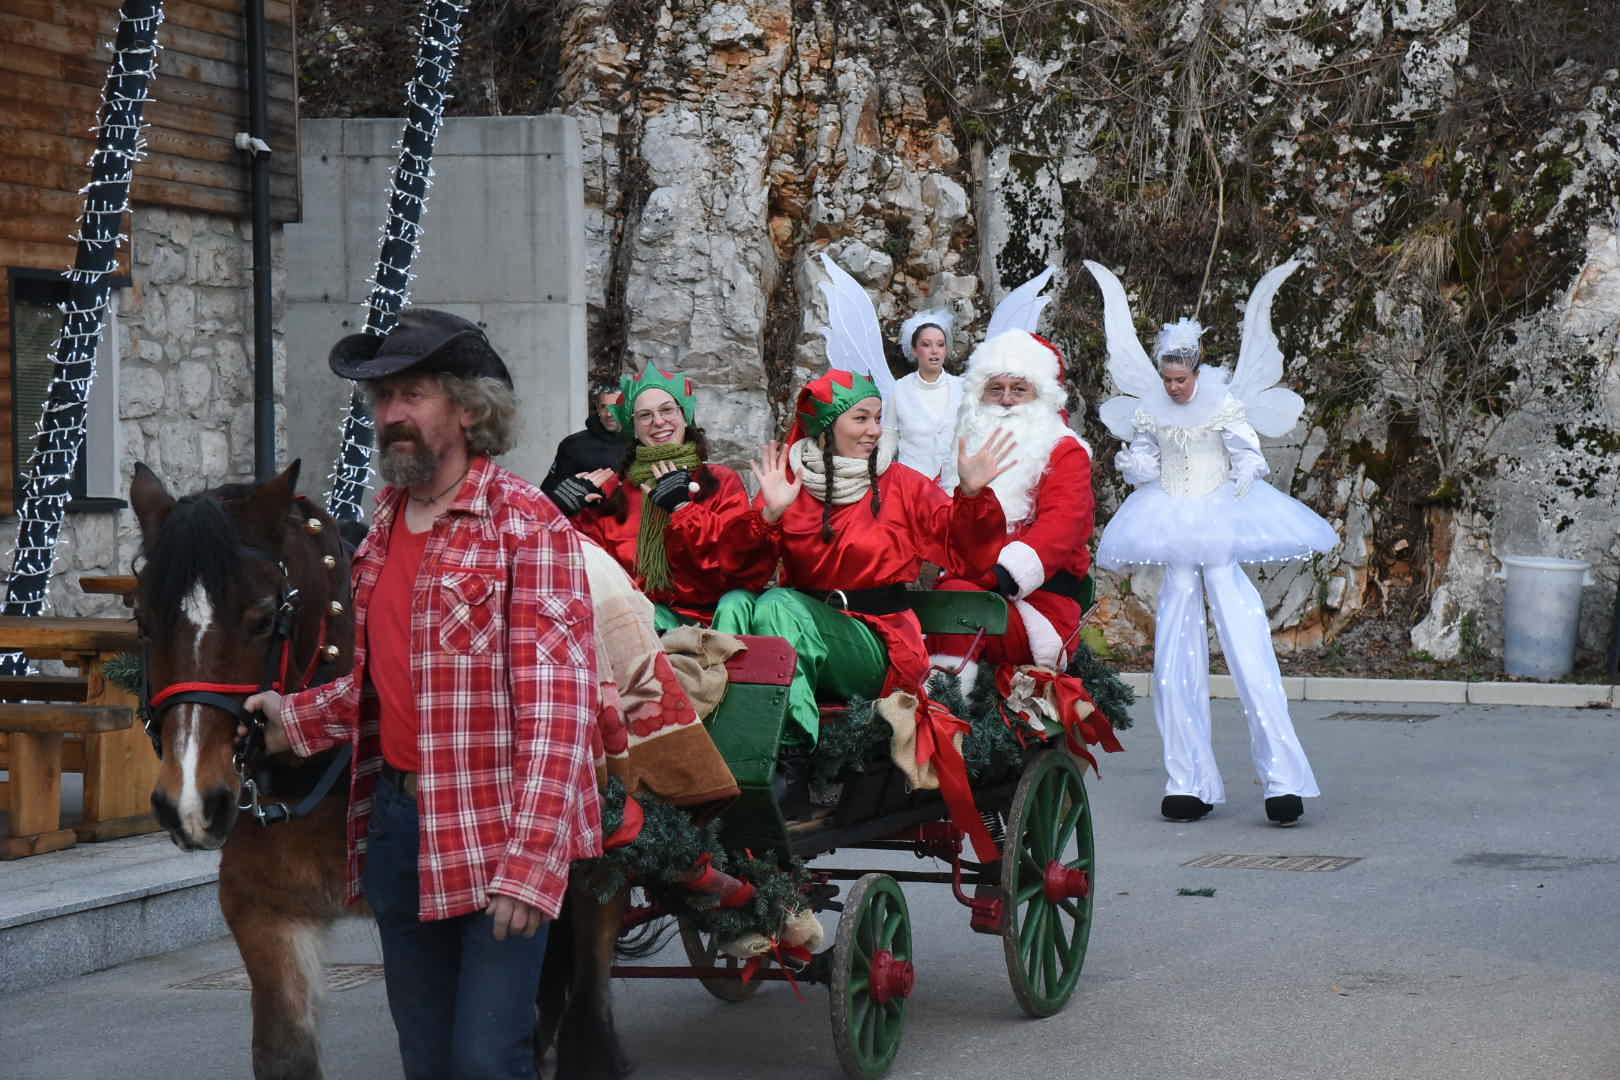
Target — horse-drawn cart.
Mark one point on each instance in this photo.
(1037, 898)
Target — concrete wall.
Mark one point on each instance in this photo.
(504, 246)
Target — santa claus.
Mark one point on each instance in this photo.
(1014, 383)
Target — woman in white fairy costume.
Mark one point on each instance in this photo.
(1200, 509)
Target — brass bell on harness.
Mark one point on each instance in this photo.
(336, 608)
(329, 561)
(313, 526)
(331, 652)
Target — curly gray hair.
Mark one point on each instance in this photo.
(494, 408)
(492, 403)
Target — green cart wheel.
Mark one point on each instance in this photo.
(872, 976)
(1047, 876)
(702, 951)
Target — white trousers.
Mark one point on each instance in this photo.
(1181, 684)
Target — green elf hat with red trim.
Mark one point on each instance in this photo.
(631, 387)
(824, 400)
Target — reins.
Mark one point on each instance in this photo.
(249, 757)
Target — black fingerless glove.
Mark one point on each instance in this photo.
(670, 491)
(1005, 585)
(571, 493)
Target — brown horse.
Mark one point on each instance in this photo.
(244, 587)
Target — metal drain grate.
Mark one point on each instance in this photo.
(1306, 863)
(339, 977)
(1408, 717)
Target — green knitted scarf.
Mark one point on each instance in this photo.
(652, 561)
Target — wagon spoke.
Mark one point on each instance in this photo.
(1029, 933)
(1071, 821)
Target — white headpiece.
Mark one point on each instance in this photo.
(940, 317)
(1179, 337)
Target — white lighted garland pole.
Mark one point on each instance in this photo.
(60, 436)
(402, 232)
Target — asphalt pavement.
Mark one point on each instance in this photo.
(1475, 936)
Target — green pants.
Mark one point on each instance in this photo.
(839, 656)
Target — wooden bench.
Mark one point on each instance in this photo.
(36, 734)
(111, 751)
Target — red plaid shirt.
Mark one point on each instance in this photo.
(504, 666)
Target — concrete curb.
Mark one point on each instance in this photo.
(94, 906)
(1422, 691)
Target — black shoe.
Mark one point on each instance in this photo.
(1284, 810)
(1184, 807)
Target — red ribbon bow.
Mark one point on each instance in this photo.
(937, 728)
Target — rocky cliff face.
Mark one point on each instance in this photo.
(1449, 177)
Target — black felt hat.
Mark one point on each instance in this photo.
(422, 342)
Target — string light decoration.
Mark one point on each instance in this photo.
(59, 436)
(425, 95)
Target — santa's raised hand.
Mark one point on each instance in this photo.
(975, 471)
(776, 490)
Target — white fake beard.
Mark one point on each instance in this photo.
(1037, 429)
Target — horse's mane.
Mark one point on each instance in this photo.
(198, 542)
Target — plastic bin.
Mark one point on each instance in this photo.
(1541, 614)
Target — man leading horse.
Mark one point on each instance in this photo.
(469, 707)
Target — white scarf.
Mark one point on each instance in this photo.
(851, 479)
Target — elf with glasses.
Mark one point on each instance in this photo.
(681, 526)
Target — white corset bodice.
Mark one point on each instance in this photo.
(1193, 460)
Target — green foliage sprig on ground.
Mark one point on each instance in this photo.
(670, 846)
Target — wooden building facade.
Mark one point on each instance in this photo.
(53, 64)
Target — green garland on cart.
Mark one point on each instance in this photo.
(670, 846)
(1108, 691)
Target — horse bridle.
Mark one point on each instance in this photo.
(248, 757)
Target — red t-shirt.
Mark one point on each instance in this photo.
(388, 636)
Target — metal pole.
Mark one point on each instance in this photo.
(264, 367)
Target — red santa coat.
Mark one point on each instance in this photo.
(916, 521)
(714, 543)
(1042, 624)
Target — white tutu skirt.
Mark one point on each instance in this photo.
(1154, 527)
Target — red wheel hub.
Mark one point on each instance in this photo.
(1065, 883)
(889, 978)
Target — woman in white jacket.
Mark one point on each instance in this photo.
(926, 401)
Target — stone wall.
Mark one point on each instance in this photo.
(185, 383)
(943, 152)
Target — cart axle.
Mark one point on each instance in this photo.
(1065, 883)
(889, 978)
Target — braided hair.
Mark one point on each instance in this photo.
(827, 464)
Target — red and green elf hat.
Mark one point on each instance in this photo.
(631, 387)
(824, 400)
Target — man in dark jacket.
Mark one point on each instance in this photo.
(600, 446)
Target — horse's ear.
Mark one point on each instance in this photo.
(151, 501)
(265, 511)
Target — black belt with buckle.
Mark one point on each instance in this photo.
(406, 783)
(885, 600)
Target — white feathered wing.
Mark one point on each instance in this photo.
(1133, 373)
(1273, 410)
(1021, 309)
(854, 338)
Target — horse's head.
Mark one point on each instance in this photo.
(239, 588)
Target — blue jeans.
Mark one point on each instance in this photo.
(462, 1002)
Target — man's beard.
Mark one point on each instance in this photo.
(1037, 428)
(406, 466)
